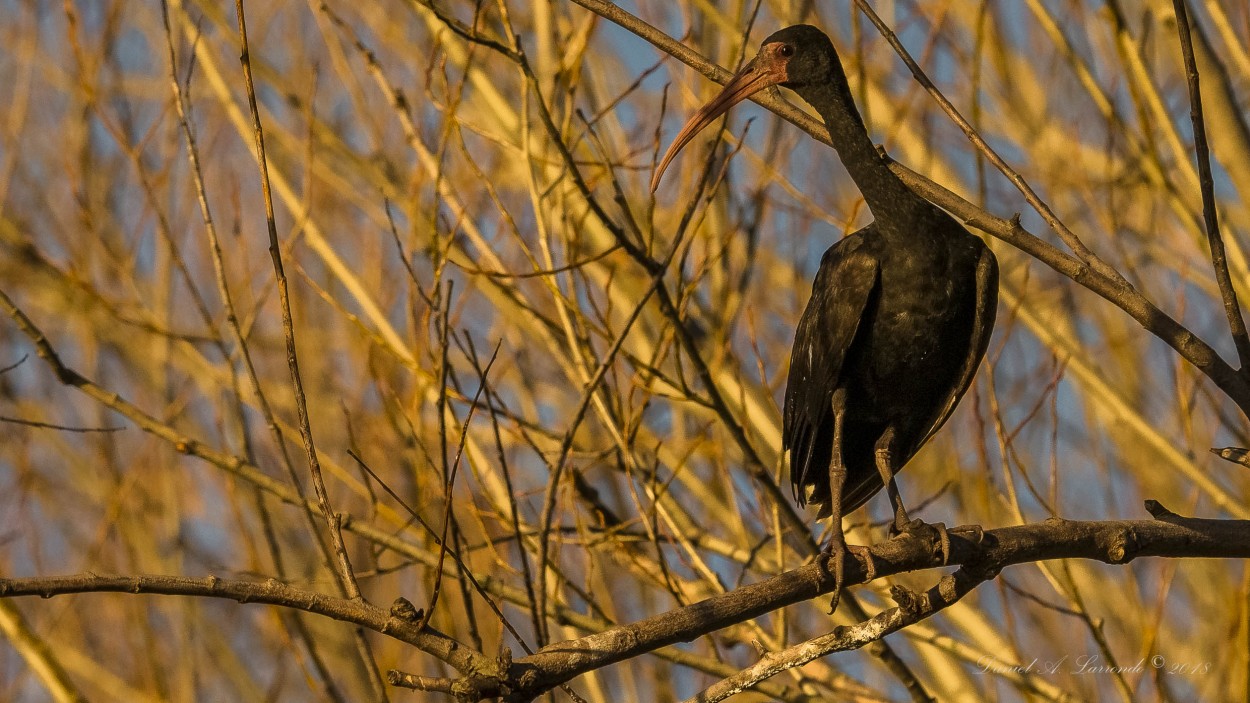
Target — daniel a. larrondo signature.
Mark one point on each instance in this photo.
(1088, 664)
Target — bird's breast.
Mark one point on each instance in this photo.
(917, 333)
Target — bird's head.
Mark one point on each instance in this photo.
(793, 57)
(801, 55)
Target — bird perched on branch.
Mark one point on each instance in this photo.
(900, 314)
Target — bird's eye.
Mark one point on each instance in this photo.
(786, 50)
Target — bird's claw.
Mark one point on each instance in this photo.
(870, 565)
(935, 532)
(833, 600)
(834, 553)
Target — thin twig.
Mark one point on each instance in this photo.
(514, 512)
(52, 426)
(537, 273)
(344, 567)
(1210, 216)
(451, 480)
(14, 365)
(227, 299)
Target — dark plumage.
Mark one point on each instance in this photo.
(901, 311)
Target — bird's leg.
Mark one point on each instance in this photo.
(884, 455)
(835, 549)
(885, 465)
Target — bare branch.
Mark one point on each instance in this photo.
(1210, 217)
(1111, 542)
(269, 592)
(911, 609)
(344, 567)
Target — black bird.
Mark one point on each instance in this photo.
(900, 314)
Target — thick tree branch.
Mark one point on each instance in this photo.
(1112, 542)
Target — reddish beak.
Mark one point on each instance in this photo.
(766, 69)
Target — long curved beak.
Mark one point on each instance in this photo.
(763, 71)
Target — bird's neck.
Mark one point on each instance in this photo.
(885, 194)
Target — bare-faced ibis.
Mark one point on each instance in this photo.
(900, 314)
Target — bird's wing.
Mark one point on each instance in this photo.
(848, 275)
(982, 327)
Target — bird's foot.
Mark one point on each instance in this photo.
(834, 553)
(934, 533)
(870, 565)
